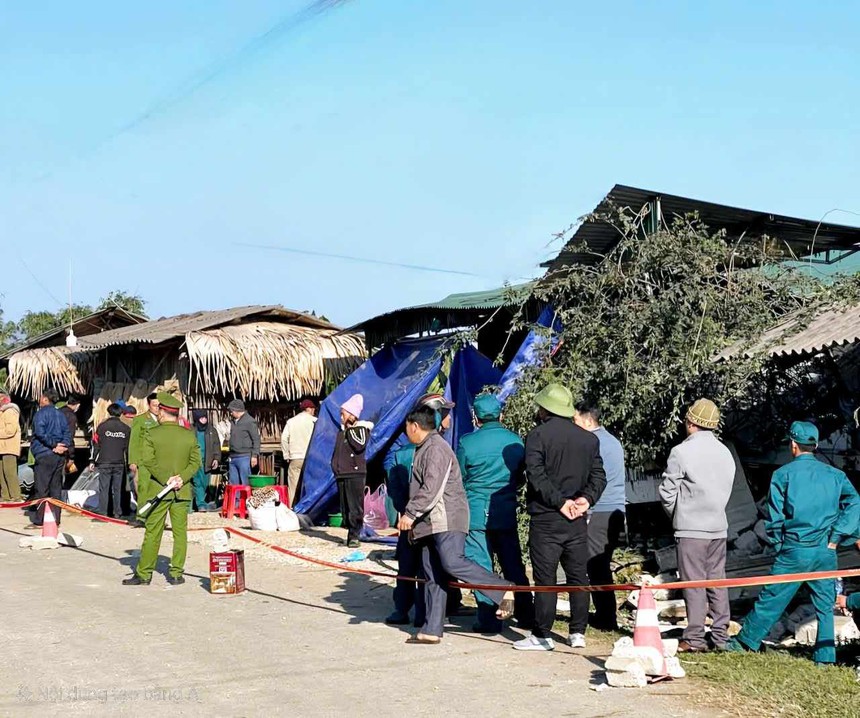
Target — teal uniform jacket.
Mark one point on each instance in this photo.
(399, 476)
(811, 504)
(853, 601)
(491, 461)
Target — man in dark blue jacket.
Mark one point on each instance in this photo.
(50, 446)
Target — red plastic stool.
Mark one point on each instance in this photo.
(231, 493)
(283, 494)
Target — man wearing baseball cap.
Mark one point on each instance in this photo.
(491, 462)
(695, 491)
(812, 509)
(295, 440)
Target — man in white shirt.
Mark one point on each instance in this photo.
(295, 441)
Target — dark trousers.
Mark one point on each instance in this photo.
(503, 545)
(604, 533)
(48, 482)
(700, 559)
(110, 487)
(351, 490)
(408, 593)
(444, 560)
(553, 539)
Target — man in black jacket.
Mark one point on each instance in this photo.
(565, 478)
(110, 456)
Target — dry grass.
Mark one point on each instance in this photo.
(31, 371)
(267, 360)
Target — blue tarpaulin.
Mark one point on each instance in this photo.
(530, 352)
(471, 371)
(391, 382)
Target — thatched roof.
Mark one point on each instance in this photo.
(268, 360)
(31, 371)
(289, 356)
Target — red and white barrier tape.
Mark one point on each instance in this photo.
(679, 585)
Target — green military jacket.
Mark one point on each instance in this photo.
(139, 428)
(172, 450)
(491, 461)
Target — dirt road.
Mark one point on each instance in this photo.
(303, 641)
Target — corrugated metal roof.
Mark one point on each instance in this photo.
(453, 312)
(167, 328)
(831, 328)
(599, 237)
(465, 301)
(85, 326)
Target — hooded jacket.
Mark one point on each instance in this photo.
(10, 430)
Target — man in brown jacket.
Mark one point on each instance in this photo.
(10, 449)
(438, 517)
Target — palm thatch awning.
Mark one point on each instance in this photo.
(65, 369)
(266, 361)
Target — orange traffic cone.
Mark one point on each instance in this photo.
(49, 521)
(646, 630)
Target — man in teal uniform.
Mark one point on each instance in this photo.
(171, 456)
(813, 508)
(491, 461)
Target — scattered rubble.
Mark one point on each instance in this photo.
(630, 666)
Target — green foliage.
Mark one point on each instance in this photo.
(642, 326)
(130, 302)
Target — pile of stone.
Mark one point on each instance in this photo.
(632, 666)
(800, 627)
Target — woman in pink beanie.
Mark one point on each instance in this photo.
(350, 466)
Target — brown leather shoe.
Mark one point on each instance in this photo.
(684, 647)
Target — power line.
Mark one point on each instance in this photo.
(362, 260)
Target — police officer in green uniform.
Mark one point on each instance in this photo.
(813, 508)
(491, 461)
(171, 456)
(139, 428)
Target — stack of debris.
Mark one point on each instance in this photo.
(631, 666)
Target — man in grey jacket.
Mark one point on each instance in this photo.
(695, 491)
(437, 514)
(244, 443)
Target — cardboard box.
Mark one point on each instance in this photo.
(227, 572)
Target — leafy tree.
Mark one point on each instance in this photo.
(130, 302)
(34, 323)
(642, 326)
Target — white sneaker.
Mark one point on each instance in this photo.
(533, 643)
(576, 640)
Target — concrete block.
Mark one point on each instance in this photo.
(670, 647)
(633, 678)
(672, 610)
(777, 633)
(70, 540)
(846, 629)
(649, 658)
(673, 668)
(624, 642)
(38, 543)
(759, 530)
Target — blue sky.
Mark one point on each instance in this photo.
(459, 134)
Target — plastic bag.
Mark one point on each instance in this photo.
(375, 515)
(286, 519)
(263, 518)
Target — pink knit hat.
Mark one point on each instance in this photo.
(354, 405)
